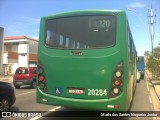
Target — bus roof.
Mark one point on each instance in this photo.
(83, 12)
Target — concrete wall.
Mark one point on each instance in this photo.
(19, 51)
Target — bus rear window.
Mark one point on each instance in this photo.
(81, 32)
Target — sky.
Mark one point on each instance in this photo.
(22, 17)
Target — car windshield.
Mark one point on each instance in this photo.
(22, 71)
(81, 32)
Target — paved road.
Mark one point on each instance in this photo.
(26, 101)
(142, 102)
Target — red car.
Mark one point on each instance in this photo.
(25, 76)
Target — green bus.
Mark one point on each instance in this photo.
(86, 59)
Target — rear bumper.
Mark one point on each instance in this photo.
(23, 82)
(90, 104)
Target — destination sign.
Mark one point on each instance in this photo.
(99, 23)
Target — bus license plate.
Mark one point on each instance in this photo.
(75, 91)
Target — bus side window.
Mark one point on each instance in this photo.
(51, 38)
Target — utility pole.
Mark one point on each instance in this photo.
(151, 22)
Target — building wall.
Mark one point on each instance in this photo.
(33, 47)
(19, 51)
(12, 55)
(32, 57)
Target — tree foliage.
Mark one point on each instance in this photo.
(153, 62)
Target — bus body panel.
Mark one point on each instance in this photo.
(90, 104)
(80, 73)
(88, 72)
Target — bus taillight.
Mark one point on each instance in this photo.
(117, 81)
(41, 79)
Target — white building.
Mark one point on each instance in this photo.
(19, 51)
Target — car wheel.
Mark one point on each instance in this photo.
(17, 86)
(4, 104)
(33, 84)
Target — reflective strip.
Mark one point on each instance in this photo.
(44, 100)
(110, 106)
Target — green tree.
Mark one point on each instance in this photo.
(146, 53)
(153, 62)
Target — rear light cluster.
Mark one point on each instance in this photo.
(41, 79)
(117, 81)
